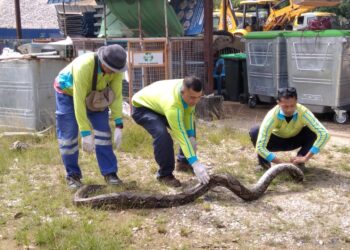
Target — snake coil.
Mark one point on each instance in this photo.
(138, 200)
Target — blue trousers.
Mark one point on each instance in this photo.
(304, 140)
(163, 146)
(67, 134)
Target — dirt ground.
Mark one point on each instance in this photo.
(313, 214)
(242, 117)
(310, 215)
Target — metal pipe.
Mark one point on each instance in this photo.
(104, 18)
(64, 20)
(244, 16)
(166, 39)
(208, 45)
(139, 15)
(166, 20)
(225, 14)
(18, 20)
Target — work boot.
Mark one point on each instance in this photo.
(74, 182)
(169, 180)
(112, 179)
(184, 167)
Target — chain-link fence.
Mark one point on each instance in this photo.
(83, 45)
(147, 61)
(186, 57)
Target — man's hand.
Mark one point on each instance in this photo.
(298, 159)
(194, 143)
(277, 160)
(201, 172)
(88, 144)
(118, 137)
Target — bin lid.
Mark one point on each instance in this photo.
(234, 56)
(321, 33)
(264, 34)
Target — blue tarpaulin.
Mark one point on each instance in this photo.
(191, 15)
(29, 33)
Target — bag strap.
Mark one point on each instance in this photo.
(94, 77)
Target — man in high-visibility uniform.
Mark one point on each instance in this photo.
(171, 103)
(288, 126)
(73, 84)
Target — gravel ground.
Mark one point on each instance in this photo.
(34, 14)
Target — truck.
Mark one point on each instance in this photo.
(316, 21)
(265, 15)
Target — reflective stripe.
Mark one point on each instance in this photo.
(67, 142)
(103, 134)
(103, 142)
(184, 136)
(69, 151)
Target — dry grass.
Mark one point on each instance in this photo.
(37, 210)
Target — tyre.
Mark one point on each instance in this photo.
(252, 102)
(341, 118)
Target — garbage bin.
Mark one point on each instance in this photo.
(236, 77)
(266, 65)
(318, 64)
(219, 75)
(27, 96)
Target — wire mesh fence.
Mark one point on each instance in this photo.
(83, 45)
(186, 57)
(152, 60)
(147, 63)
(178, 58)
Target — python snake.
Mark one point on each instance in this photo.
(138, 200)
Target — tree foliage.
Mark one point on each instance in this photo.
(342, 10)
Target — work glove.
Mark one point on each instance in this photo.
(88, 143)
(118, 137)
(194, 143)
(201, 172)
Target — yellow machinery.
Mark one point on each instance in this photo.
(264, 15)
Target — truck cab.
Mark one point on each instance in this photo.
(316, 20)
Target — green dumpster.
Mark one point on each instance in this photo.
(236, 77)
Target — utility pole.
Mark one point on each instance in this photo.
(208, 44)
(18, 20)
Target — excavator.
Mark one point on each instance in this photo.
(265, 15)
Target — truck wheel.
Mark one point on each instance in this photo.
(341, 118)
(252, 102)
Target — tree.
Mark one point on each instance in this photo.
(342, 10)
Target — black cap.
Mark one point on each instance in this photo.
(113, 57)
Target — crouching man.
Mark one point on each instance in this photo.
(288, 126)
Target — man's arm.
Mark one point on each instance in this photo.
(175, 119)
(82, 81)
(189, 122)
(116, 106)
(265, 131)
(322, 137)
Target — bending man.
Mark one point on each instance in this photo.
(73, 84)
(171, 103)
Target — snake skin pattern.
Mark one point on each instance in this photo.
(138, 200)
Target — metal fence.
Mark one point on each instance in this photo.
(147, 63)
(152, 60)
(83, 45)
(186, 57)
(172, 59)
